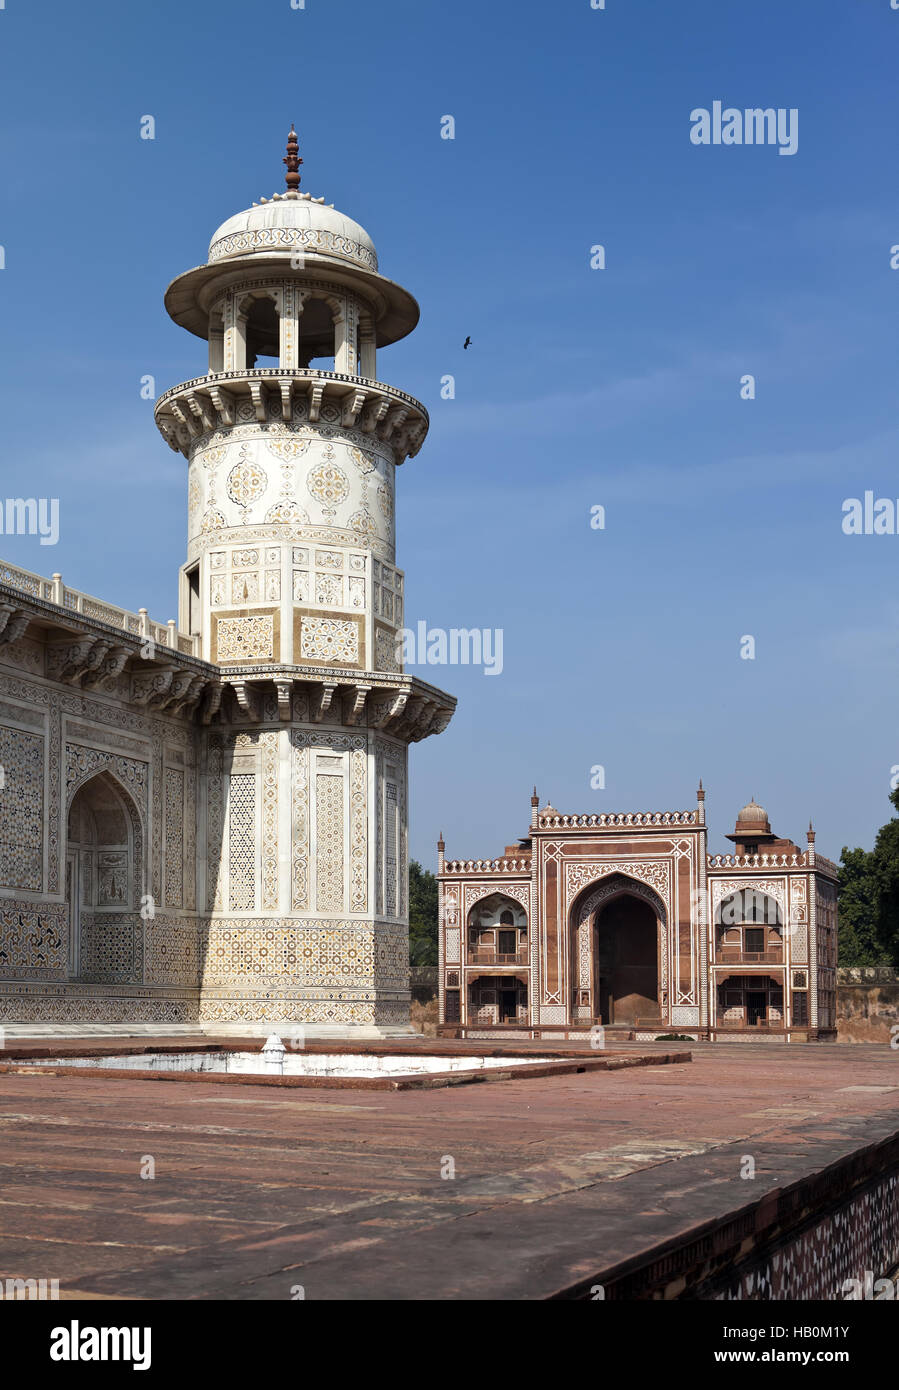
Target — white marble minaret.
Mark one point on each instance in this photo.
(291, 584)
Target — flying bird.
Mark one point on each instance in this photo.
(467, 343)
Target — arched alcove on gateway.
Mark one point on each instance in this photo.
(617, 957)
(497, 940)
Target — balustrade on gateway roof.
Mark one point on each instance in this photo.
(487, 866)
(615, 819)
(773, 861)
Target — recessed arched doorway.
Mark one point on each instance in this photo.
(103, 875)
(625, 956)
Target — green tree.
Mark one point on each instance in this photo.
(886, 885)
(869, 899)
(422, 915)
(858, 944)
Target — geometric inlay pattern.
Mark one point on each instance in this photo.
(174, 836)
(21, 809)
(329, 639)
(242, 842)
(245, 639)
(329, 838)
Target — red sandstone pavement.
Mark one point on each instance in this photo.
(259, 1190)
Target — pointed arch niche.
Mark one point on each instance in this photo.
(104, 861)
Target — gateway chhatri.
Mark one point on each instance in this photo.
(207, 823)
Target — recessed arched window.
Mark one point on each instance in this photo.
(317, 335)
(497, 931)
(263, 330)
(749, 906)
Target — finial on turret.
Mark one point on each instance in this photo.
(293, 163)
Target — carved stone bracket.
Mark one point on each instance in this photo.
(212, 701)
(224, 404)
(178, 689)
(73, 660)
(321, 700)
(316, 391)
(249, 698)
(150, 689)
(105, 674)
(191, 696)
(200, 407)
(384, 710)
(13, 623)
(355, 703)
(285, 691)
(375, 411)
(257, 393)
(353, 402)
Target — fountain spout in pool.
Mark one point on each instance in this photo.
(273, 1054)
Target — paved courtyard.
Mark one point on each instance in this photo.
(258, 1190)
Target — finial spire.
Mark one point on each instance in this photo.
(293, 162)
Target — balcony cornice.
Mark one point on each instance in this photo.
(198, 407)
(90, 653)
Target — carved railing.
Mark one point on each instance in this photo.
(53, 590)
(772, 861)
(737, 1025)
(482, 956)
(733, 955)
(616, 819)
(758, 861)
(487, 866)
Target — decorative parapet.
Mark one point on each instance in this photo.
(54, 591)
(212, 402)
(609, 820)
(759, 861)
(773, 861)
(487, 866)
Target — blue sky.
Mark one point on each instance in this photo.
(618, 387)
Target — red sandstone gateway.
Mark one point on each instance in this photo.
(625, 922)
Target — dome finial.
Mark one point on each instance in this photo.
(293, 162)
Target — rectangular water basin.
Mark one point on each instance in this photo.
(290, 1064)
